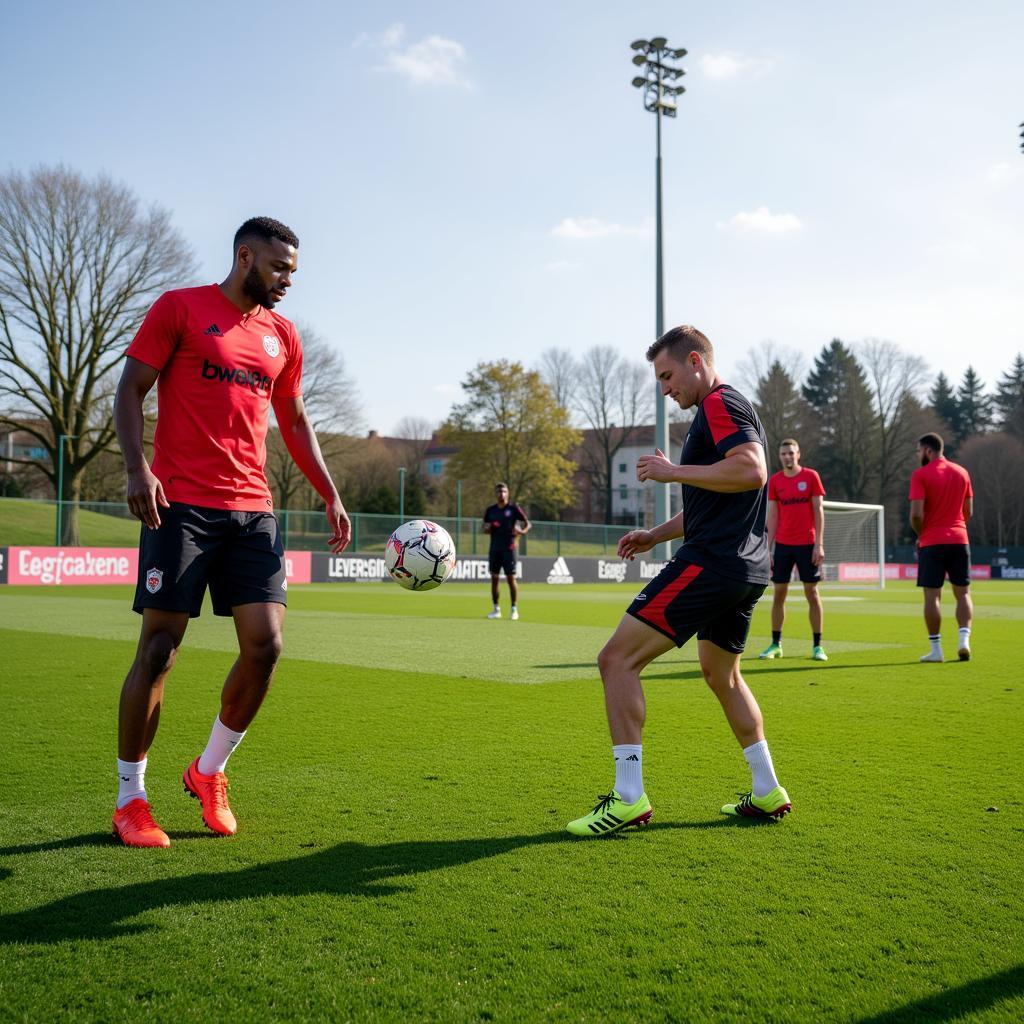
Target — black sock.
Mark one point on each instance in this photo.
(817, 639)
(776, 636)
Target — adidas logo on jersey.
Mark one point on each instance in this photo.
(560, 572)
(214, 329)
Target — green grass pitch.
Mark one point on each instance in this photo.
(402, 800)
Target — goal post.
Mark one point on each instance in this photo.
(854, 544)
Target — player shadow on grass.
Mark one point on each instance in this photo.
(346, 869)
(953, 1003)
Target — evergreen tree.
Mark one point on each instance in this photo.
(942, 398)
(782, 408)
(837, 391)
(1009, 399)
(973, 405)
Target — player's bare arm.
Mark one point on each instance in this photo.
(968, 508)
(917, 515)
(637, 541)
(742, 469)
(300, 439)
(145, 492)
(772, 524)
(523, 526)
(818, 508)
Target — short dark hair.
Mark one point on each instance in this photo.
(680, 342)
(501, 483)
(789, 440)
(265, 228)
(931, 440)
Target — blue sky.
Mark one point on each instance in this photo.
(473, 181)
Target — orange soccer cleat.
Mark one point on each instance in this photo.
(134, 825)
(212, 792)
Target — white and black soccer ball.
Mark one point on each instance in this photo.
(420, 555)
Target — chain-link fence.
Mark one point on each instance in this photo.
(109, 524)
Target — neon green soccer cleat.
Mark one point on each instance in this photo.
(612, 815)
(773, 805)
(818, 654)
(773, 650)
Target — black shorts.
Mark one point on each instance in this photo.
(786, 556)
(239, 555)
(936, 560)
(502, 561)
(684, 599)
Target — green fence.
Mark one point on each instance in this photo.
(109, 524)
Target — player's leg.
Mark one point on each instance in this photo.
(720, 644)
(931, 574)
(774, 649)
(816, 613)
(958, 564)
(495, 569)
(138, 717)
(513, 589)
(631, 648)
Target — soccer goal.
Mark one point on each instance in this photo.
(854, 544)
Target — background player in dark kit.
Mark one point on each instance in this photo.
(506, 522)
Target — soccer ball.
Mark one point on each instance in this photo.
(420, 555)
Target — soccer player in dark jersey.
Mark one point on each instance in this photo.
(506, 523)
(941, 505)
(221, 359)
(709, 588)
(796, 536)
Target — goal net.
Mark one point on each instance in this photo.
(854, 544)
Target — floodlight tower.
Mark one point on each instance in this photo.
(652, 56)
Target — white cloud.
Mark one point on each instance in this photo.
(560, 266)
(434, 60)
(762, 221)
(731, 65)
(585, 229)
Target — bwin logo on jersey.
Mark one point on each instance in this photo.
(560, 572)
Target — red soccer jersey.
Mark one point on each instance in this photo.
(795, 524)
(943, 486)
(218, 369)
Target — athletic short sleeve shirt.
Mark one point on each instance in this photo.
(724, 532)
(503, 536)
(943, 486)
(218, 370)
(796, 516)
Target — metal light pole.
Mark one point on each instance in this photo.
(659, 98)
(60, 483)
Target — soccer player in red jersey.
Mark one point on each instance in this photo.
(796, 536)
(221, 359)
(709, 588)
(941, 505)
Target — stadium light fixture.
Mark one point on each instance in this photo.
(655, 56)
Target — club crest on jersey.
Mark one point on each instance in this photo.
(271, 345)
(801, 485)
(154, 580)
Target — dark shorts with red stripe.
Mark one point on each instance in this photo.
(684, 599)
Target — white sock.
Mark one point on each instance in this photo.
(965, 636)
(131, 781)
(497, 607)
(629, 771)
(222, 742)
(761, 767)
(936, 642)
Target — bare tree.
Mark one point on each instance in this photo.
(334, 408)
(895, 379)
(996, 465)
(560, 371)
(614, 397)
(80, 264)
(759, 360)
(417, 433)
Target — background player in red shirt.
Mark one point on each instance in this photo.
(709, 589)
(796, 536)
(941, 505)
(506, 523)
(221, 358)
